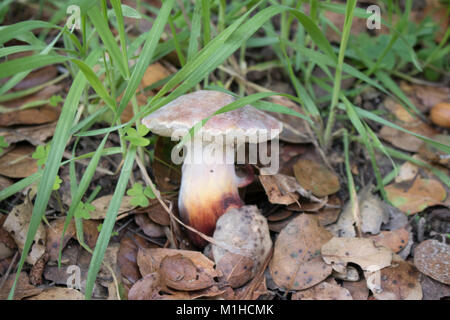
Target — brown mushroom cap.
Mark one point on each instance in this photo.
(185, 111)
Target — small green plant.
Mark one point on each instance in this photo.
(140, 195)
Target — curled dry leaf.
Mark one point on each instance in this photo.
(361, 251)
(17, 224)
(432, 258)
(127, 257)
(18, 162)
(279, 215)
(150, 228)
(54, 233)
(58, 293)
(296, 263)
(399, 111)
(276, 191)
(35, 135)
(149, 260)
(150, 288)
(395, 240)
(180, 273)
(323, 291)
(38, 269)
(425, 97)
(247, 230)
(400, 281)
(415, 198)
(316, 178)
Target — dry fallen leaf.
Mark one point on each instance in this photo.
(358, 289)
(323, 291)
(395, 240)
(400, 281)
(180, 273)
(431, 153)
(404, 140)
(150, 228)
(149, 260)
(150, 288)
(23, 287)
(425, 97)
(415, 198)
(432, 258)
(17, 224)
(361, 251)
(127, 257)
(236, 269)
(316, 178)
(35, 135)
(275, 190)
(296, 263)
(18, 162)
(434, 290)
(101, 206)
(58, 293)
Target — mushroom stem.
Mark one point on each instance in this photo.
(209, 187)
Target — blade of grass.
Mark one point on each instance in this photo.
(108, 223)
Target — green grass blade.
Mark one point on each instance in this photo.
(107, 37)
(15, 66)
(108, 223)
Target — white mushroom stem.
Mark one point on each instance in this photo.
(209, 187)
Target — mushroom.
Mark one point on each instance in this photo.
(209, 184)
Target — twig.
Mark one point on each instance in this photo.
(6, 275)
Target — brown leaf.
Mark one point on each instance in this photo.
(296, 263)
(236, 269)
(127, 257)
(425, 97)
(180, 273)
(18, 162)
(434, 290)
(54, 233)
(357, 289)
(58, 293)
(17, 225)
(149, 260)
(101, 206)
(404, 140)
(279, 215)
(400, 281)
(277, 189)
(361, 251)
(328, 216)
(416, 197)
(150, 288)
(23, 287)
(5, 182)
(323, 291)
(35, 135)
(316, 178)
(399, 111)
(432, 258)
(431, 153)
(150, 228)
(395, 240)
(37, 77)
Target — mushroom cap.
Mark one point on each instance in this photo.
(183, 113)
